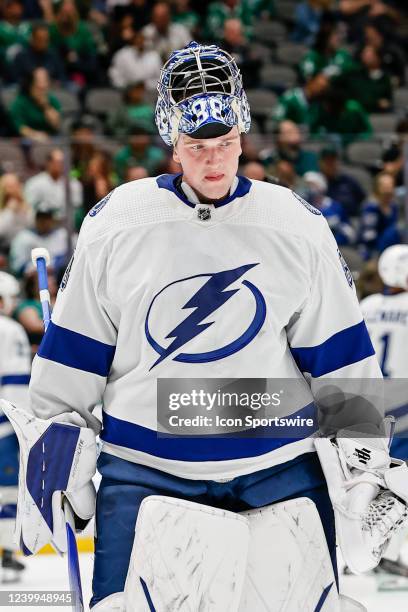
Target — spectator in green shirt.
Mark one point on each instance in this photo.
(14, 32)
(134, 111)
(369, 84)
(139, 152)
(326, 55)
(219, 12)
(184, 14)
(297, 104)
(289, 147)
(35, 112)
(72, 38)
(344, 119)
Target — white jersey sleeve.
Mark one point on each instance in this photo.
(329, 339)
(15, 365)
(72, 364)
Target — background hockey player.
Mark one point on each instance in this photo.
(386, 315)
(204, 275)
(15, 365)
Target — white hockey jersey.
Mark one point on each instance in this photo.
(145, 298)
(387, 322)
(15, 366)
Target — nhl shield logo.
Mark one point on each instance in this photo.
(204, 214)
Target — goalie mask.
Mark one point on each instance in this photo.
(200, 94)
(393, 266)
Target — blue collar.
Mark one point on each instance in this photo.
(169, 181)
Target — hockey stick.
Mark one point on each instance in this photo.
(41, 258)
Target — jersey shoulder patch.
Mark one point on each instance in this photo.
(101, 204)
(309, 207)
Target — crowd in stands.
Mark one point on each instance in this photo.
(326, 82)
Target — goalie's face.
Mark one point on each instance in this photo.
(210, 164)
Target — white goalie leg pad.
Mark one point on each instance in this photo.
(186, 557)
(289, 567)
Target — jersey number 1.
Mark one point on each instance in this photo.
(385, 339)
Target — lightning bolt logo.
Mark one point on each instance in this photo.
(209, 298)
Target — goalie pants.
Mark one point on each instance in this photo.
(124, 485)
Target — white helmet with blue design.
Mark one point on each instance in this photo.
(393, 266)
(200, 94)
